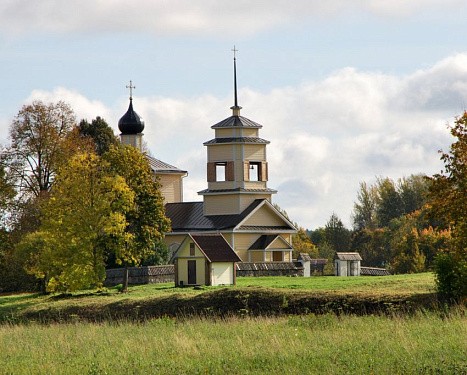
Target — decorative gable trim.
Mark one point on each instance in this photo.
(275, 212)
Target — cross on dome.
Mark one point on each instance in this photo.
(131, 87)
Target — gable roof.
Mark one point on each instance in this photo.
(215, 248)
(264, 241)
(348, 256)
(189, 216)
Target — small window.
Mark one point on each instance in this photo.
(192, 249)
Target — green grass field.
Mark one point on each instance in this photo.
(425, 343)
(55, 334)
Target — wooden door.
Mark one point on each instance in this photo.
(192, 272)
(277, 256)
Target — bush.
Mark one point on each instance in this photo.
(451, 277)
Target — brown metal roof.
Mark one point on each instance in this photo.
(215, 247)
(159, 166)
(189, 216)
(256, 140)
(267, 190)
(236, 122)
(348, 256)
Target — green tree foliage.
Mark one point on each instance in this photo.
(7, 193)
(147, 222)
(387, 216)
(36, 134)
(83, 219)
(390, 204)
(373, 246)
(448, 202)
(100, 132)
(302, 244)
(12, 274)
(336, 234)
(364, 213)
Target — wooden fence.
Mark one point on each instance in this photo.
(141, 275)
(269, 269)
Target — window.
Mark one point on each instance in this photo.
(192, 249)
(220, 171)
(254, 171)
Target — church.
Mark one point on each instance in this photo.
(236, 206)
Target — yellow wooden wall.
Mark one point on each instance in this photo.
(171, 187)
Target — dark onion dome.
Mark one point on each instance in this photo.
(131, 122)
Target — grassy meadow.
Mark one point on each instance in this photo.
(61, 334)
(425, 343)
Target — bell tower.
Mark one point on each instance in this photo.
(237, 168)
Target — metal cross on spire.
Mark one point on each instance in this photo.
(131, 87)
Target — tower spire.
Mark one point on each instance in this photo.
(236, 108)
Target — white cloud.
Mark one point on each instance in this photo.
(225, 17)
(326, 136)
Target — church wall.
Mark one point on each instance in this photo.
(243, 241)
(255, 152)
(221, 204)
(265, 216)
(257, 256)
(221, 152)
(226, 133)
(171, 187)
(247, 199)
(249, 132)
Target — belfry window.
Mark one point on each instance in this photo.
(220, 171)
(254, 171)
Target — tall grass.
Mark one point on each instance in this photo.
(326, 344)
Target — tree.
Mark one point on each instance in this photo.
(413, 192)
(147, 222)
(35, 152)
(302, 244)
(336, 234)
(100, 132)
(448, 201)
(82, 221)
(373, 246)
(364, 213)
(390, 205)
(7, 193)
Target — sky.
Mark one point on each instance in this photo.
(346, 90)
